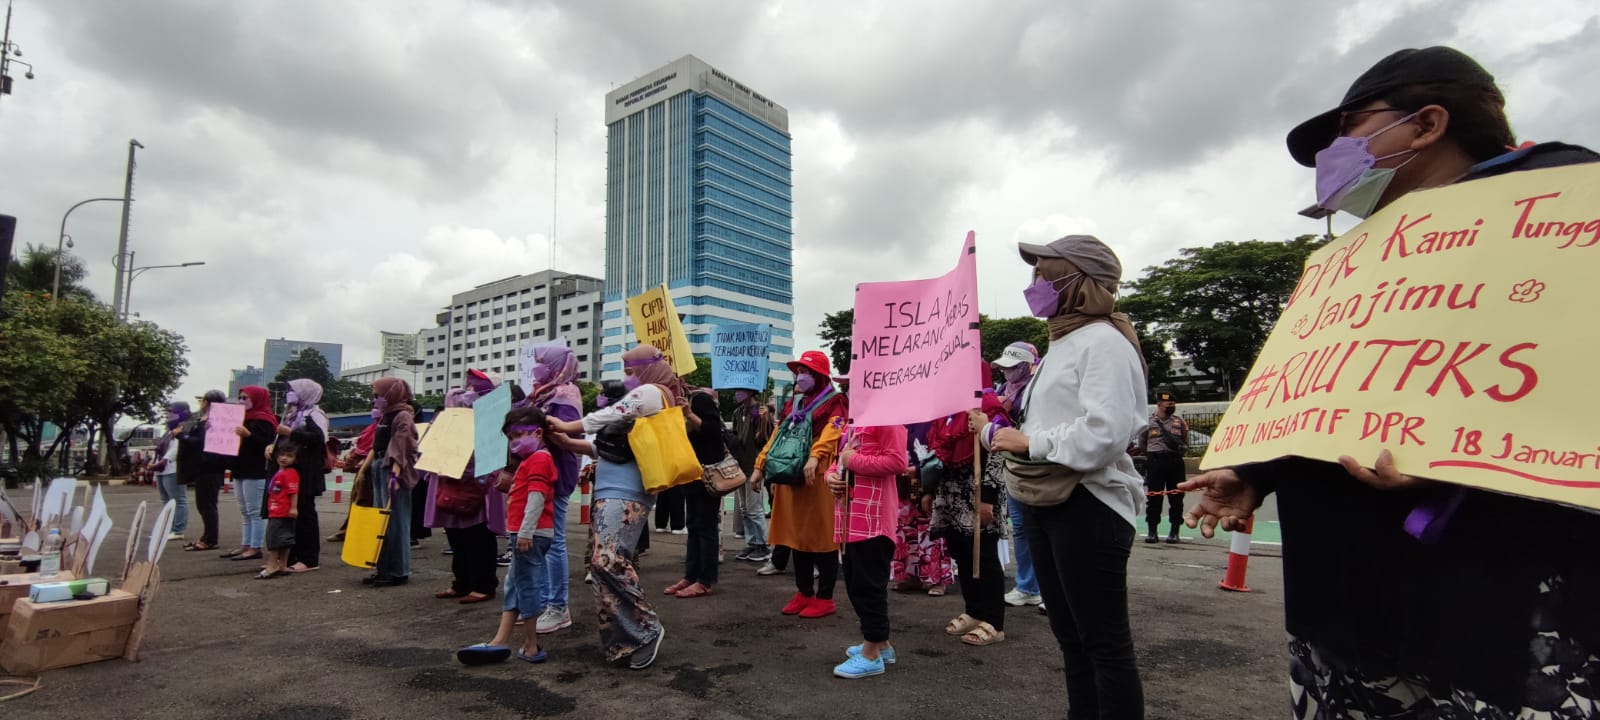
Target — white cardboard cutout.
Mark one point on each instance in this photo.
(94, 533)
(58, 502)
(78, 516)
(133, 539)
(160, 530)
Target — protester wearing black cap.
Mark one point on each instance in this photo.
(1446, 617)
(1163, 443)
(202, 470)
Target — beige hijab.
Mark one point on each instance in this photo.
(1085, 300)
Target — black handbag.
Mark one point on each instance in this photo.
(611, 443)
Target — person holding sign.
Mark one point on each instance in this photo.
(203, 470)
(802, 506)
(472, 513)
(864, 482)
(630, 630)
(957, 513)
(1401, 594)
(1067, 465)
(258, 432)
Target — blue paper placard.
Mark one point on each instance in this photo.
(488, 442)
(739, 356)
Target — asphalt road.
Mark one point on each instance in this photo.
(321, 645)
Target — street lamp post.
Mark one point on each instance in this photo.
(8, 54)
(122, 236)
(136, 272)
(61, 241)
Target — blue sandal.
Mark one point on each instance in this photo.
(535, 658)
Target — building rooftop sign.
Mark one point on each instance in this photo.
(690, 73)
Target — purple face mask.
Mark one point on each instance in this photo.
(741, 396)
(1342, 163)
(602, 401)
(291, 399)
(378, 406)
(1043, 297)
(630, 383)
(805, 383)
(526, 445)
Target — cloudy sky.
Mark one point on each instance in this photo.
(343, 167)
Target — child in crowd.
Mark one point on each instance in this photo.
(530, 518)
(865, 487)
(283, 493)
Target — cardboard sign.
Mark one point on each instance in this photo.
(739, 356)
(528, 359)
(1449, 329)
(447, 446)
(489, 444)
(915, 354)
(655, 321)
(223, 421)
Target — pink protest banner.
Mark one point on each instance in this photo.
(915, 354)
(222, 422)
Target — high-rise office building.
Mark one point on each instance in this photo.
(397, 347)
(484, 328)
(277, 353)
(698, 197)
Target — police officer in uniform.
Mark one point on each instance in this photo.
(1163, 443)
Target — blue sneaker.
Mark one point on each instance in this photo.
(858, 667)
(887, 655)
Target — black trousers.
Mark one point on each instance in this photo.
(827, 567)
(670, 508)
(206, 488)
(307, 533)
(419, 505)
(703, 512)
(1164, 471)
(866, 581)
(1080, 555)
(985, 597)
(472, 559)
(780, 557)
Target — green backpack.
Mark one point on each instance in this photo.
(791, 448)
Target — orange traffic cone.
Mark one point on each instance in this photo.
(583, 497)
(1238, 559)
(338, 488)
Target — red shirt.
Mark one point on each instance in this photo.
(536, 474)
(281, 491)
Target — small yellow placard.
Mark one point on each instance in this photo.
(1449, 328)
(447, 446)
(655, 320)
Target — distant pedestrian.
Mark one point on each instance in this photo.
(167, 478)
(1163, 443)
(202, 470)
(751, 429)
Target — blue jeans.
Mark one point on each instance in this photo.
(1026, 582)
(751, 509)
(394, 558)
(252, 527)
(525, 581)
(171, 490)
(553, 592)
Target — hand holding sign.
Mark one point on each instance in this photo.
(223, 425)
(655, 319)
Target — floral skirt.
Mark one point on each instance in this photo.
(1563, 683)
(627, 620)
(917, 554)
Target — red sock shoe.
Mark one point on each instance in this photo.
(819, 608)
(796, 604)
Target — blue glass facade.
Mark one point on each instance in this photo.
(698, 196)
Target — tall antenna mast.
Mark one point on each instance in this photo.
(555, 187)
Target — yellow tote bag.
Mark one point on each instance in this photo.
(661, 448)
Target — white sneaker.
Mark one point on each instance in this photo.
(680, 531)
(768, 569)
(588, 578)
(175, 536)
(553, 619)
(1018, 598)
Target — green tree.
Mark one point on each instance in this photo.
(347, 396)
(589, 391)
(309, 364)
(35, 271)
(837, 328)
(1216, 304)
(701, 377)
(72, 362)
(997, 333)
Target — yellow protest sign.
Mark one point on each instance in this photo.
(447, 446)
(1448, 328)
(656, 322)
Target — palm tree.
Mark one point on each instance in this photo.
(35, 272)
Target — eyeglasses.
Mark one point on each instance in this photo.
(1345, 117)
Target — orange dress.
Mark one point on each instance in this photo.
(802, 515)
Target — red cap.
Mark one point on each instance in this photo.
(814, 360)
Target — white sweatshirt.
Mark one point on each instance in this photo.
(1086, 402)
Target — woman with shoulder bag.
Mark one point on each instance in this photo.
(472, 512)
(703, 508)
(1068, 468)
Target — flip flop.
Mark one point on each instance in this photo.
(302, 567)
(475, 598)
(483, 654)
(535, 658)
(676, 587)
(694, 591)
(197, 546)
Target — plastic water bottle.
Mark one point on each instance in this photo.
(50, 555)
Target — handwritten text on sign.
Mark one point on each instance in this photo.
(528, 361)
(1449, 329)
(915, 351)
(655, 320)
(222, 423)
(739, 356)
